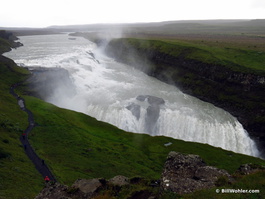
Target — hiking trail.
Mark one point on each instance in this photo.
(37, 161)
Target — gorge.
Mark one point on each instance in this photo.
(121, 95)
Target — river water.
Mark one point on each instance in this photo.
(128, 98)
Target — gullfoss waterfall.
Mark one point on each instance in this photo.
(127, 98)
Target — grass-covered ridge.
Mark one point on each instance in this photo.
(236, 58)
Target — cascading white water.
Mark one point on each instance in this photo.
(129, 99)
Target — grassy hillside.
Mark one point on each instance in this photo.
(75, 145)
(98, 149)
(18, 177)
(78, 146)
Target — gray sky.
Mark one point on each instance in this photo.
(43, 13)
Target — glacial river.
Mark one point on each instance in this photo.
(129, 99)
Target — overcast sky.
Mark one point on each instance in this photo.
(43, 13)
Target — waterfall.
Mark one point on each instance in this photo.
(129, 99)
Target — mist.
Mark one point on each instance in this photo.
(79, 76)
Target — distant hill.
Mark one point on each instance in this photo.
(233, 26)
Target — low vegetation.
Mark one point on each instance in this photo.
(18, 176)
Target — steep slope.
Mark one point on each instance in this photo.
(18, 177)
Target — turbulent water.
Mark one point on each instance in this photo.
(125, 97)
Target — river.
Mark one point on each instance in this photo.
(127, 98)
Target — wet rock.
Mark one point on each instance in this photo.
(152, 112)
(135, 109)
(152, 115)
(152, 100)
(188, 173)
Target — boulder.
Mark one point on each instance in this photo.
(87, 186)
(119, 180)
(82, 189)
(188, 173)
(55, 191)
(246, 169)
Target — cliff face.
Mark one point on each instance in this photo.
(240, 93)
(8, 41)
(52, 82)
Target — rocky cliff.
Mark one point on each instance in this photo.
(239, 90)
(46, 83)
(8, 41)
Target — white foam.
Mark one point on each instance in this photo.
(105, 88)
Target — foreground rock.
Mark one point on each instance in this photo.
(188, 173)
(182, 174)
(247, 169)
(82, 189)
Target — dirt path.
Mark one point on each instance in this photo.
(37, 161)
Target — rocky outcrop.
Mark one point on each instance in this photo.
(181, 174)
(135, 109)
(88, 187)
(247, 169)
(11, 41)
(152, 112)
(188, 173)
(119, 180)
(82, 189)
(55, 191)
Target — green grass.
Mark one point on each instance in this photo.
(18, 176)
(4, 45)
(78, 146)
(253, 181)
(237, 59)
